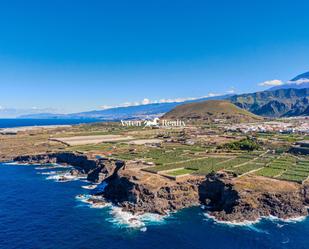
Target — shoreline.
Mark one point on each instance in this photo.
(229, 204)
(127, 218)
(252, 223)
(31, 128)
(12, 124)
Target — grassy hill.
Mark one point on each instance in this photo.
(211, 110)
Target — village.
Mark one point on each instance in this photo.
(290, 125)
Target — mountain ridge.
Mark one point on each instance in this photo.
(129, 112)
(281, 101)
(278, 103)
(270, 103)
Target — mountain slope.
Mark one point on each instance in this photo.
(301, 76)
(209, 111)
(278, 103)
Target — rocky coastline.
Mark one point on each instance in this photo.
(251, 198)
(96, 170)
(225, 198)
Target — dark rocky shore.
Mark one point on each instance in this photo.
(96, 169)
(225, 198)
(251, 198)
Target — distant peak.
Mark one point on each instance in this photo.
(301, 76)
(299, 82)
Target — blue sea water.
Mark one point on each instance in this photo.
(9, 123)
(36, 213)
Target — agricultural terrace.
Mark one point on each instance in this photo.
(179, 159)
(287, 167)
(168, 153)
(283, 167)
(206, 165)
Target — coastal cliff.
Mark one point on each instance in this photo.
(226, 198)
(151, 194)
(133, 190)
(96, 170)
(250, 198)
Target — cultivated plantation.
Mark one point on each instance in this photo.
(195, 150)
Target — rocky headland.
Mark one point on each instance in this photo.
(251, 197)
(225, 197)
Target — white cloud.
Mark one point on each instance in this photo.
(271, 83)
(230, 91)
(280, 82)
(299, 82)
(174, 100)
(125, 104)
(104, 107)
(147, 101)
(211, 95)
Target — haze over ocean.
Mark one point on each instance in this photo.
(11, 123)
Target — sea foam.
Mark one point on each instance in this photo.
(90, 201)
(122, 218)
(90, 187)
(66, 177)
(252, 223)
(53, 166)
(48, 173)
(289, 220)
(231, 223)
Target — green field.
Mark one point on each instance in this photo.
(287, 168)
(269, 172)
(245, 168)
(159, 168)
(201, 166)
(179, 172)
(193, 160)
(237, 161)
(204, 167)
(292, 177)
(162, 156)
(264, 160)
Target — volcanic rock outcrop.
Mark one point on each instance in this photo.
(226, 198)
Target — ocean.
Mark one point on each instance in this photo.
(36, 212)
(10, 123)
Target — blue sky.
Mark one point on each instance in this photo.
(69, 56)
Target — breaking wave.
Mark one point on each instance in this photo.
(125, 219)
(66, 177)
